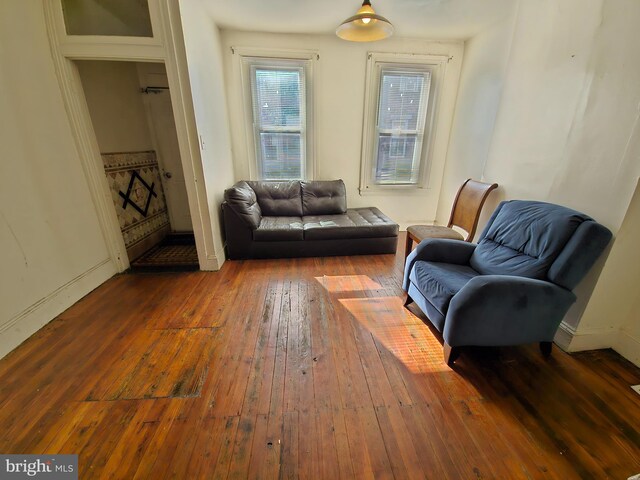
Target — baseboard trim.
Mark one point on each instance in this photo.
(571, 340)
(20, 327)
(564, 335)
(628, 346)
(210, 263)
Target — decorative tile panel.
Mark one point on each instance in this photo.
(136, 190)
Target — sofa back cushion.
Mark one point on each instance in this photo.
(279, 198)
(242, 200)
(325, 197)
(524, 238)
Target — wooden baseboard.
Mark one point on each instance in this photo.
(20, 327)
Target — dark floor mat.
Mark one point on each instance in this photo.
(179, 239)
(175, 253)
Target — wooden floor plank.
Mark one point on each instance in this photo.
(290, 456)
(309, 445)
(304, 368)
(404, 458)
(242, 446)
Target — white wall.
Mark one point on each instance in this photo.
(569, 106)
(486, 57)
(567, 131)
(339, 90)
(613, 312)
(112, 90)
(204, 58)
(622, 290)
(628, 341)
(53, 252)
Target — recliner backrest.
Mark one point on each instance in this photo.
(539, 240)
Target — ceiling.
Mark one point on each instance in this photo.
(439, 19)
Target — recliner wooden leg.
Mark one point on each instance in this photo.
(450, 354)
(545, 348)
(408, 300)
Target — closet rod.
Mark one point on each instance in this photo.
(148, 90)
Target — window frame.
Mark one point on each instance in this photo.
(376, 63)
(278, 58)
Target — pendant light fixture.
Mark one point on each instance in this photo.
(365, 26)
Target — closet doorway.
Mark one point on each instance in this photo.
(130, 108)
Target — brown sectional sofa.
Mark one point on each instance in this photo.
(301, 219)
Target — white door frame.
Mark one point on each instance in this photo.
(166, 46)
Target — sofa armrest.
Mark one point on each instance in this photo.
(238, 236)
(241, 198)
(505, 310)
(438, 250)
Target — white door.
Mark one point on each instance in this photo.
(163, 131)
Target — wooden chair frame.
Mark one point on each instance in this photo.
(484, 188)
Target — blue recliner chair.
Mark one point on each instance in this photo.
(511, 288)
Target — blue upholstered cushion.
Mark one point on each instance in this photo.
(439, 282)
(579, 255)
(524, 238)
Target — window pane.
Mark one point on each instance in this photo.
(281, 156)
(400, 97)
(396, 162)
(278, 97)
(127, 18)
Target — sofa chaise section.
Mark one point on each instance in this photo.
(301, 219)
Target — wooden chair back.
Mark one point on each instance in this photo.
(468, 205)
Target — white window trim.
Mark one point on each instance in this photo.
(437, 65)
(242, 53)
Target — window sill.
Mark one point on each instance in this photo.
(394, 190)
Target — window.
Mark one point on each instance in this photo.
(279, 111)
(402, 108)
(402, 94)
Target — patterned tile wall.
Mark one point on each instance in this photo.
(136, 190)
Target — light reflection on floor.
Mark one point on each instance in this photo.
(347, 283)
(399, 331)
(391, 324)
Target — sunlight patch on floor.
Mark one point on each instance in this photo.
(399, 331)
(347, 283)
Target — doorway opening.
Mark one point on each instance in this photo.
(130, 108)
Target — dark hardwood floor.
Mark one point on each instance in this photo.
(305, 368)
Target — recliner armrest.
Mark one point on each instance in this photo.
(505, 310)
(438, 250)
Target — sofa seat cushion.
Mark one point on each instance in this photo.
(324, 197)
(439, 282)
(354, 223)
(278, 198)
(274, 229)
